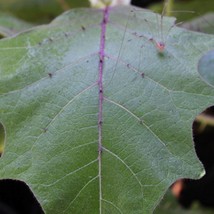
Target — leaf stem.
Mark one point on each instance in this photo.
(168, 5)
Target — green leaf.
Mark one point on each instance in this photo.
(199, 7)
(80, 152)
(10, 25)
(201, 24)
(40, 11)
(206, 67)
(2, 138)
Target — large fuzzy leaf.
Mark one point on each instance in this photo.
(89, 138)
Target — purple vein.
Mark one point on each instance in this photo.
(100, 83)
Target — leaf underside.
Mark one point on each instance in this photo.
(49, 106)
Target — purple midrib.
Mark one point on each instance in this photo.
(100, 84)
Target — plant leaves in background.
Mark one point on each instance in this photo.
(191, 5)
(49, 105)
(169, 205)
(10, 25)
(201, 24)
(40, 11)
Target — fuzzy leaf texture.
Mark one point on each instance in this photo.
(51, 107)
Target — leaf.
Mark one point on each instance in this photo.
(197, 6)
(2, 138)
(39, 11)
(201, 24)
(80, 153)
(10, 25)
(206, 67)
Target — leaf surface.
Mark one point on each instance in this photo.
(89, 137)
(206, 67)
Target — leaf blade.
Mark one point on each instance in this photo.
(52, 120)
